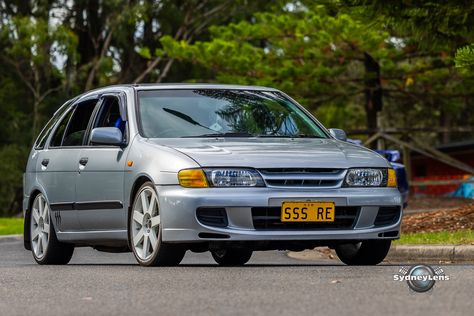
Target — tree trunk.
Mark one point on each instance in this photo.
(445, 122)
(373, 92)
(88, 30)
(35, 118)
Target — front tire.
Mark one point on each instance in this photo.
(231, 256)
(45, 246)
(145, 231)
(367, 252)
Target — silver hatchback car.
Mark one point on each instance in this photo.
(162, 169)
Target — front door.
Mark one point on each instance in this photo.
(99, 186)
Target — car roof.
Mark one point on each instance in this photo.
(164, 86)
(156, 86)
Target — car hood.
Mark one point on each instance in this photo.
(274, 152)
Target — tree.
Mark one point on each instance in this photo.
(333, 60)
(31, 44)
(319, 57)
(431, 23)
(53, 50)
(186, 21)
(436, 31)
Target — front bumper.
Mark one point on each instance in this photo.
(180, 224)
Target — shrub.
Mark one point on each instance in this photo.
(12, 165)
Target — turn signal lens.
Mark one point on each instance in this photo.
(392, 178)
(192, 178)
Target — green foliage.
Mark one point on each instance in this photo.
(145, 52)
(316, 54)
(12, 165)
(465, 56)
(340, 115)
(309, 53)
(33, 43)
(431, 33)
(433, 24)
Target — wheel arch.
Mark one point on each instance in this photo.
(139, 181)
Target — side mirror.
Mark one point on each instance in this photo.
(106, 136)
(338, 134)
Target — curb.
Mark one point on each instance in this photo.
(10, 238)
(403, 253)
(449, 253)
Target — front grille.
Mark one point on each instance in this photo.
(216, 217)
(303, 177)
(387, 215)
(269, 218)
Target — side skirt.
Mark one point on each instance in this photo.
(118, 237)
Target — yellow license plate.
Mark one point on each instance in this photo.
(307, 212)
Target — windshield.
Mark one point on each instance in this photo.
(227, 113)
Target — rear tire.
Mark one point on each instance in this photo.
(45, 247)
(367, 252)
(231, 256)
(145, 231)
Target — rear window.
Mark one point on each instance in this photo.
(44, 134)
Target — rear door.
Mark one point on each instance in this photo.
(58, 165)
(99, 191)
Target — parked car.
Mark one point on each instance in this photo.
(162, 169)
(393, 156)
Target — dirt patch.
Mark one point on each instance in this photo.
(435, 203)
(449, 219)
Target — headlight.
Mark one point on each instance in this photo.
(367, 177)
(233, 177)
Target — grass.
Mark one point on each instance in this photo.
(460, 237)
(11, 226)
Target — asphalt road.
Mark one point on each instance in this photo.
(271, 284)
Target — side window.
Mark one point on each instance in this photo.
(109, 115)
(76, 129)
(59, 132)
(43, 136)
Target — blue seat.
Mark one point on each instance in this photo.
(120, 124)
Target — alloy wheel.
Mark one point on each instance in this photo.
(40, 226)
(145, 224)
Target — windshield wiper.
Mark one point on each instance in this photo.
(290, 136)
(227, 134)
(245, 134)
(306, 136)
(185, 117)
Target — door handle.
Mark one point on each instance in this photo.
(83, 161)
(45, 162)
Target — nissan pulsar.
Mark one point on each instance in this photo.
(161, 169)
